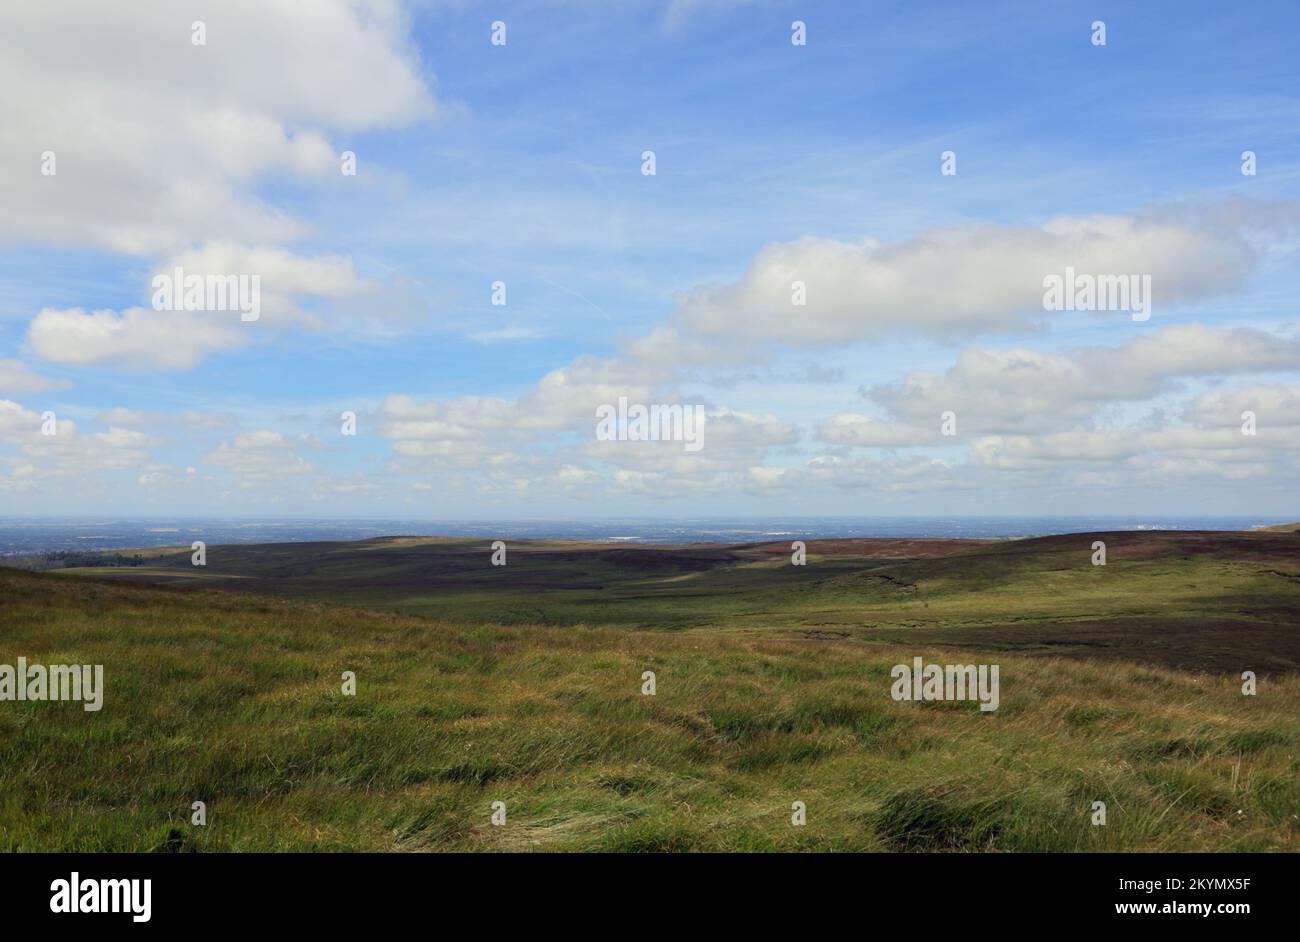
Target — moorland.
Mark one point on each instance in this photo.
(523, 684)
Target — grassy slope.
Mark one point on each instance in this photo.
(234, 699)
(1196, 601)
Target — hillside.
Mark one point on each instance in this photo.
(1191, 600)
(234, 699)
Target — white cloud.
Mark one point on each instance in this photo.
(260, 458)
(953, 283)
(189, 421)
(564, 399)
(283, 277)
(906, 474)
(849, 428)
(17, 377)
(33, 458)
(143, 338)
(1019, 390)
(159, 142)
(730, 440)
(1276, 405)
(137, 338)
(1210, 442)
(19, 424)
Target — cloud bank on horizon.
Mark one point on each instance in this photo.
(471, 229)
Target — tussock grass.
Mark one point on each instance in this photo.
(235, 700)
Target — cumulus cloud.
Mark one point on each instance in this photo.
(1274, 405)
(848, 428)
(158, 142)
(260, 458)
(17, 377)
(1218, 450)
(33, 458)
(729, 439)
(137, 338)
(160, 148)
(905, 474)
(1209, 442)
(563, 399)
(1017, 390)
(955, 283)
(18, 424)
(284, 278)
(145, 338)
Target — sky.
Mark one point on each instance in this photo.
(839, 259)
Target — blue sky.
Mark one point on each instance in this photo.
(521, 163)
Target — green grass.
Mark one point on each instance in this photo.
(1193, 601)
(234, 699)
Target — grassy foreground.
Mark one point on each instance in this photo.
(235, 700)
